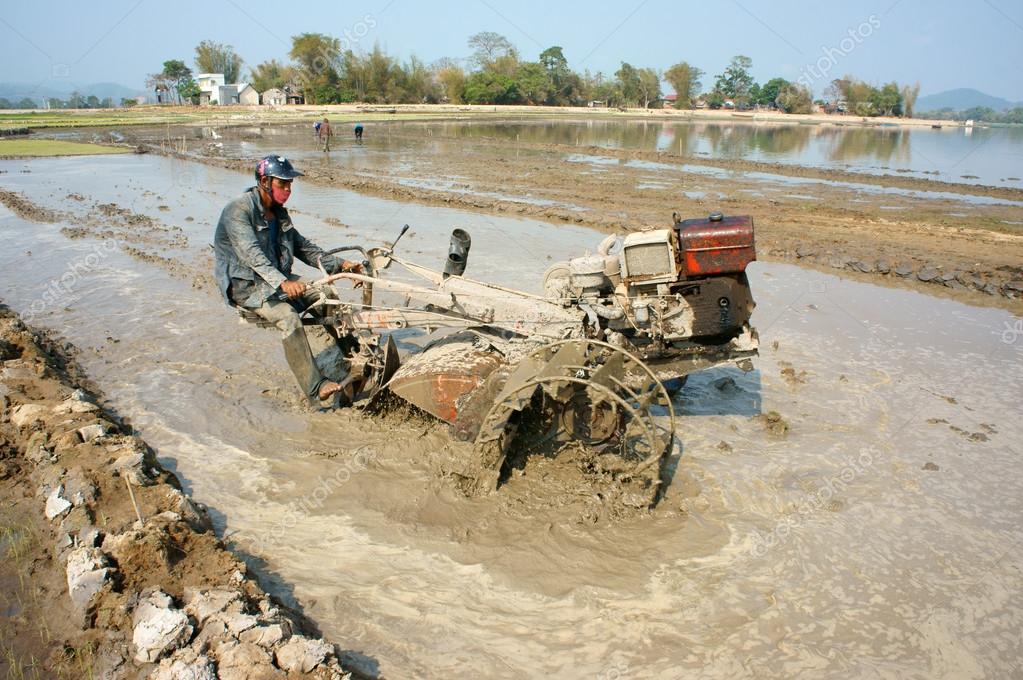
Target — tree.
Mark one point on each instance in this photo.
(887, 101)
(268, 75)
(533, 82)
(564, 85)
(174, 73)
(794, 98)
(318, 58)
(767, 94)
(736, 81)
(909, 95)
(451, 78)
(487, 46)
(27, 103)
(188, 91)
(92, 102)
(685, 80)
(553, 60)
(213, 57)
(486, 87)
(128, 102)
(649, 86)
(628, 83)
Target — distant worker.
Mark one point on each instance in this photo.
(316, 129)
(255, 245)
(358, 132)
(325, 134)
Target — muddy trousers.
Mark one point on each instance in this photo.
(296, 345)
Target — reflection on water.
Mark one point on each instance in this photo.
(992, 155)
(989, 156)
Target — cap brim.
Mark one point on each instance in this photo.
(290, 175)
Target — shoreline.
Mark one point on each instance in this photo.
(205, 115)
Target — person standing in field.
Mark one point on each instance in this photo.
(358, 132)
(316, 129)
(325, 134)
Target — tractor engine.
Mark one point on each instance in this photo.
(664, 289)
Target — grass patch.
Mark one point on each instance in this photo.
(53, 147)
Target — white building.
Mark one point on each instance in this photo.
(213, 91)
(209, 87)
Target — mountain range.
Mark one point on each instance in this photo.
(961, 99)
(61, 89)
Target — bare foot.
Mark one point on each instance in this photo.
(329, 389)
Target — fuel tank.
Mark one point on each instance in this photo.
(715, 245)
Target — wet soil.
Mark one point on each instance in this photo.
(829, 513)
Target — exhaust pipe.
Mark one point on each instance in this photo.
(458, 253)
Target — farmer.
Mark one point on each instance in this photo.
(325, 134)
(255, 245)
(316, 129)
(358, 132)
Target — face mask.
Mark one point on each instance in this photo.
(280, 195)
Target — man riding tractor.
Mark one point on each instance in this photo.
(255, 245)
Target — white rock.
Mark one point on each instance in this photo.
(27, 414)
(238, 623)
(73, 406)
(87, 571)
(245, 661)
(301, 655)
(159, 628)
(90, 432)
(266, 636)
(56, 504)
(201, 605)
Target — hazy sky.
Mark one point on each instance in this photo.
(941, 44)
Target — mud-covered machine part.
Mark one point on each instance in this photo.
(586, 364)
(587, 393)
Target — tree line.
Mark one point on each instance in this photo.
(321, 68)
(1013, 116)
(496, 73)
(75, 100)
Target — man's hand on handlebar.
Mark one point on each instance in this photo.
(293, 289)
(353, 267)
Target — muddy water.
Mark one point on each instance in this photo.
(878, 537)
(983, 156)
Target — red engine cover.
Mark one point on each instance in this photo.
(716, 244)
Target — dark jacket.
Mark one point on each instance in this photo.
(244, 271)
